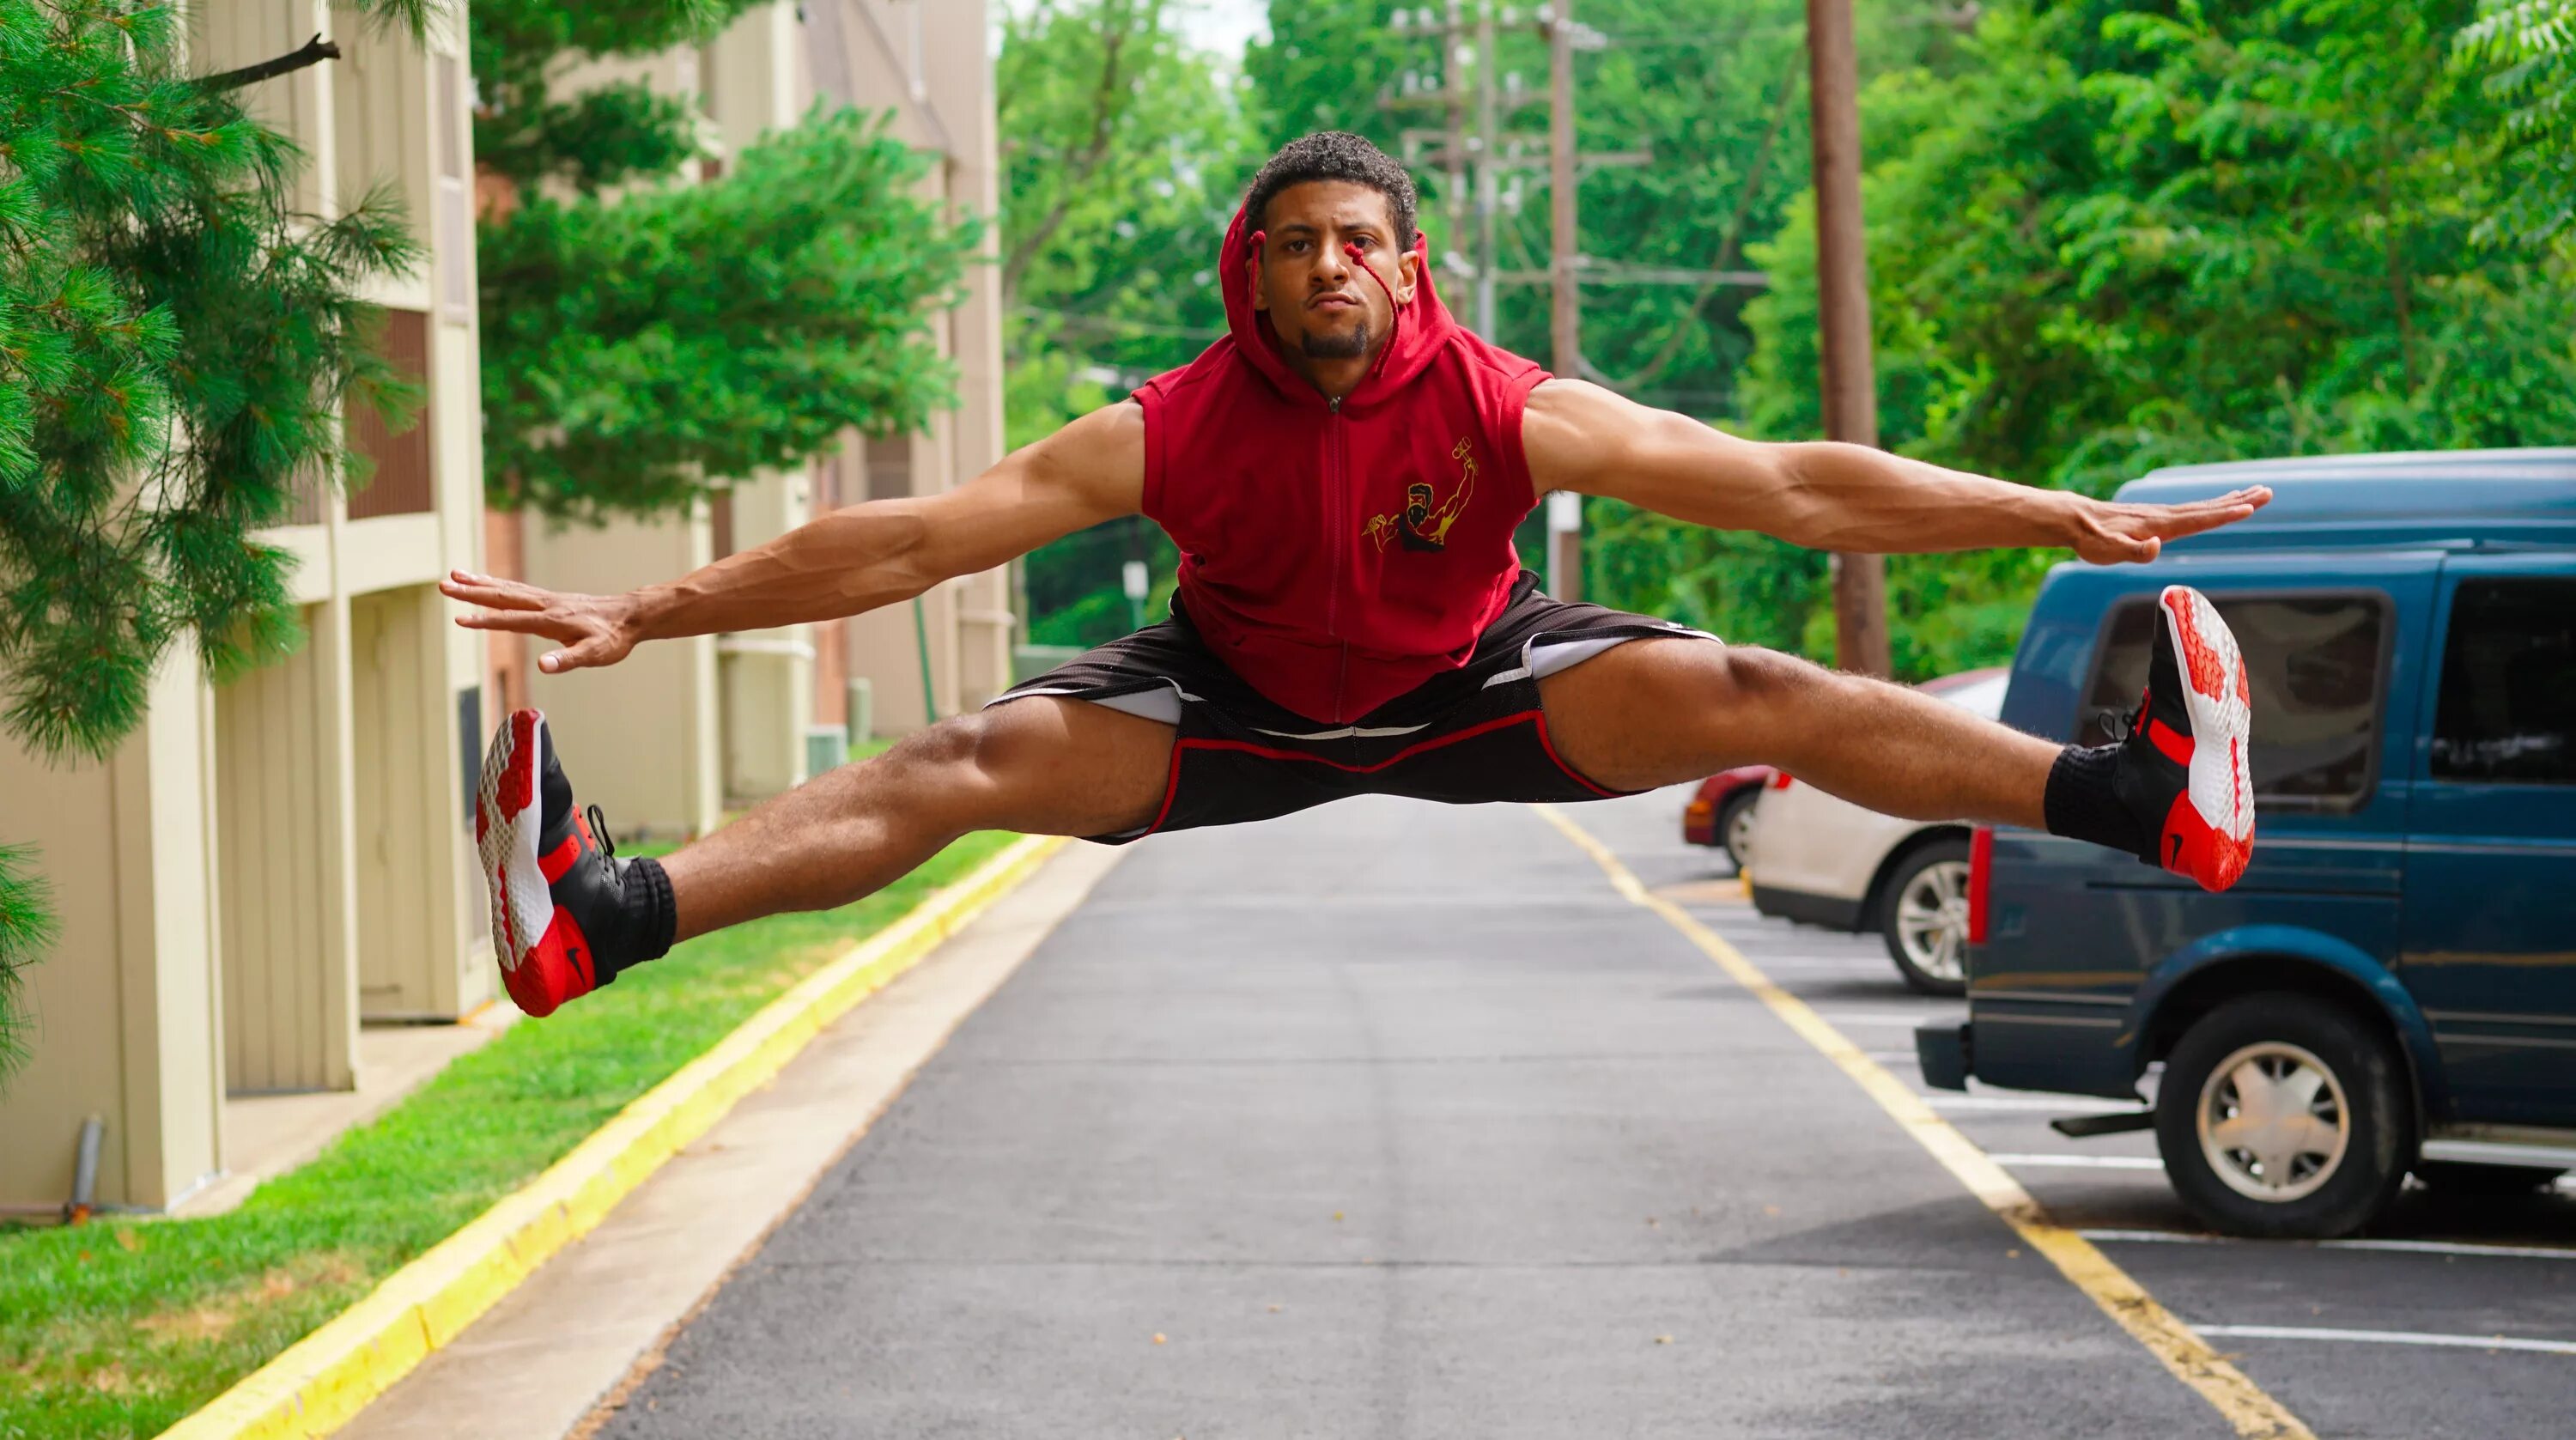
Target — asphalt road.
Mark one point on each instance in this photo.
(1395, 1120)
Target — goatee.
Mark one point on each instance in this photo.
(1328, 345)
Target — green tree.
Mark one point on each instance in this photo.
(641, 349)
(2121, 239)
(2528, 49)
(176, 342)
(1124, 153)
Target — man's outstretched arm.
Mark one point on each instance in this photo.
(1826, 495)
(848, 561)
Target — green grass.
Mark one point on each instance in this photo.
(119, 1327)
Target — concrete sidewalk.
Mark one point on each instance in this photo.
(541, 1359)
(1390, 1120)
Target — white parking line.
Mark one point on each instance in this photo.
(2403, 1247)
(1880, 1017)
(2389, 1337)
(2078, 1162)
(2035, 1104)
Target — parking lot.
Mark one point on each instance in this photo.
(1393, 1119)
(2451, 1318)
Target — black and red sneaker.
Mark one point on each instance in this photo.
(562, 922)
(2183, 771)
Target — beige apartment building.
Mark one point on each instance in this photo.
(683, 730)
(260, 867)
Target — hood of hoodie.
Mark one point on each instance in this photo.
(1422, 328)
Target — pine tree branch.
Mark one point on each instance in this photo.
(315, 51)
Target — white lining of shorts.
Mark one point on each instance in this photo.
(1564, 652)
(1160, 704)
(1347, 732)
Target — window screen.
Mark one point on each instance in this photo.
(2317, 667)
(2508, 708)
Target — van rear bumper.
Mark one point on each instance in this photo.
(1943, 1050)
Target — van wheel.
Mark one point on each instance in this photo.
(2284, 1116)
(1735, 825)
(1924, 918)
(2467, 1180)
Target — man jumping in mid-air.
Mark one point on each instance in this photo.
(1343, 474)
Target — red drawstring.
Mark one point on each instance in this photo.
(1395, 312)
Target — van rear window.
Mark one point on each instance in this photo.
(2318, 668)
(2508, 713)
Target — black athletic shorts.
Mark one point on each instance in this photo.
(1468, 736)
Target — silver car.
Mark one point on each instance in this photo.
(1829, 862)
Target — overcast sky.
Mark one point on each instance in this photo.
(1222, 26)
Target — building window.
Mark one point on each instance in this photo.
(2318, 667)
(402, 483)
(2508, 711)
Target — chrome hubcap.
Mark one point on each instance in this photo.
(2273, 1122)
(1932, 920)
(1739, 832)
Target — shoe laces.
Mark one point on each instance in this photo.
(2120, 725)
(599, 832)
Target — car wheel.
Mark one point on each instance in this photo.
(2469, 1181)
(1925, 918)
(2284, 1116)
(1735, 825)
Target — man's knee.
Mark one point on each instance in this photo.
(977, 745)
(1742, 678)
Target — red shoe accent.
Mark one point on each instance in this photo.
(2209, 831)
(555, 864)
(558, 969)
(2176, 747)
(2213, 858)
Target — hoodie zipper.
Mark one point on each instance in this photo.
(1340, 521)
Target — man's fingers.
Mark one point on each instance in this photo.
(497, 594)
(524, 622)
(2175, 524)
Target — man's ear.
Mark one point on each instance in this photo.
(1408, 275)
(1260, 294)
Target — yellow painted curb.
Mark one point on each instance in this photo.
(2253, 1414)
(321, 1382)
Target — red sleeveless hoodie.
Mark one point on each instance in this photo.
(1336, 555)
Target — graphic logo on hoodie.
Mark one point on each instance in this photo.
(1424, 522)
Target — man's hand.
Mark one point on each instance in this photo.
(2111, 534)
(596, 629)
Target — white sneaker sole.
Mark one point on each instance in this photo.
(507, 817)
(2222, 715)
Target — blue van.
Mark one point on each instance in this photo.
(2392, 985)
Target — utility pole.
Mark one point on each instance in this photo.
(1842, 292)
(1488, 188)
(1454, 183)
(1565, 311)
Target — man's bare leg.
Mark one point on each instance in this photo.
(1658, 712)
(1040, 765)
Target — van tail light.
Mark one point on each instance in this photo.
(1780, 780)
(1981, 874)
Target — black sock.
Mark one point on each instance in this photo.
(650, 917)
(2082, 801)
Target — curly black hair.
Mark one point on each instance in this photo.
(1335, 155)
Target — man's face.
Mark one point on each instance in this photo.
(1317, 299)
